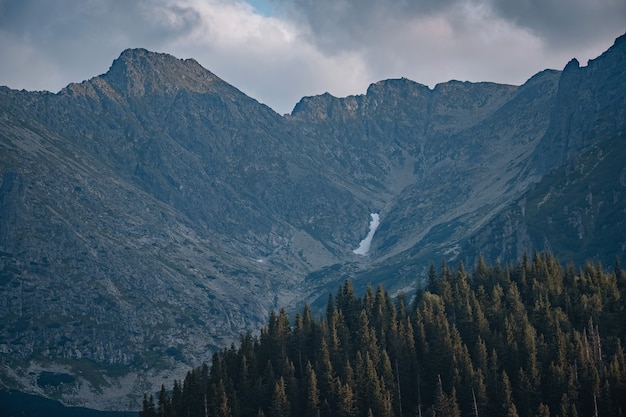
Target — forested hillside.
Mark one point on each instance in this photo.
(530, 339)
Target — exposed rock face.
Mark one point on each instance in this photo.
(151, 214)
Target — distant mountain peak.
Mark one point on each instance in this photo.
(138, 72)
(573, 64)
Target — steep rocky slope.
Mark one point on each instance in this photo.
(151, 214)
(558, 137)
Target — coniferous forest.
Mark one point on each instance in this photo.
(530, 339)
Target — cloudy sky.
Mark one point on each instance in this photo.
(278, 51)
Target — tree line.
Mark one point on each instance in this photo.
(529, 339)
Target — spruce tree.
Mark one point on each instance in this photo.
(312, 394)
(280, 407)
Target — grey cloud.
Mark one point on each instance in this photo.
(348, 24)
(64, 20)
(79, 39)
(562, 22)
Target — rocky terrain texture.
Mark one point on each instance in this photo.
(151, 214)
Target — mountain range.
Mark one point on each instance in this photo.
(152, 214)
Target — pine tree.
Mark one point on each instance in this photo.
(148, 408)
(177, 399)
(346, 406)
(509, 408)
(366, 338)
(222, 404)
(480, 354)
(446, 405)
(292, 386)
(281, 407)
(567, 407)
(480, 272)
(433, 280)
(347, 303)
(312, 392)
(543, 411)
(164, 404)
(327, 381)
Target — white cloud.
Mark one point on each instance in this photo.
(465, 44)
(266, 57)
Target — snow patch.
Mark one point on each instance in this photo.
(364, 246)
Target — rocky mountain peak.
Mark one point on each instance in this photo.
(324, 107)
(573, 64)
(401, 87)
(138, 72)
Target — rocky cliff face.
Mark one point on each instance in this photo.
(151, 214)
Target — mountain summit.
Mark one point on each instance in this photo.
(153, 213)
(138, 72)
